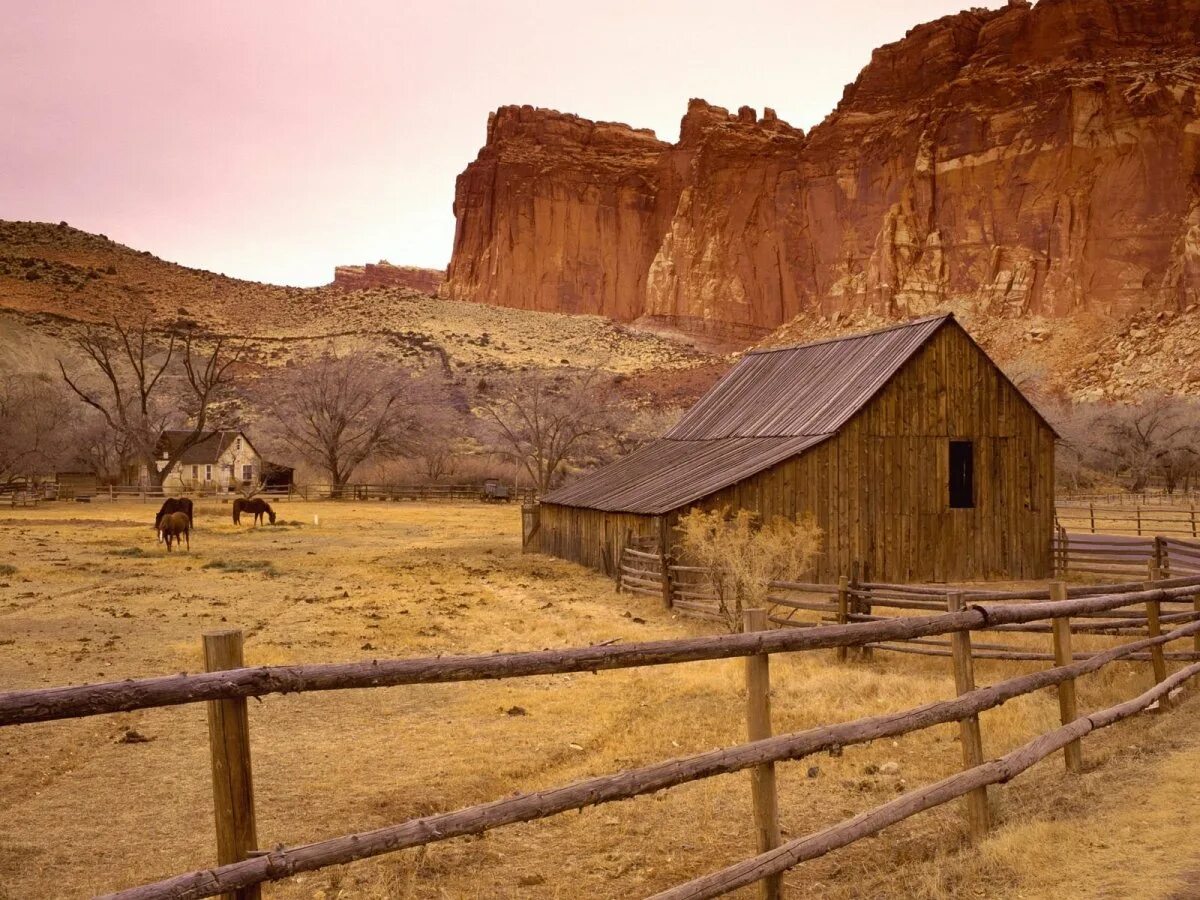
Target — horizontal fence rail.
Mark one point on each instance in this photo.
(998, 771)
(1138, 519)
(257, 866)
(282, 863)
(313, 491)
(46, 704)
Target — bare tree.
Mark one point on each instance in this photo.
(337, 412)
(35, 431)
(139, 393)
(1154, 438)
(439, 445)
(546, 422)
(642, 424)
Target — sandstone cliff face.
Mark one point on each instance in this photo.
(1024, 161)
(556, 214)
(384, 274)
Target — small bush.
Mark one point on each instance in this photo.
(242, 565)
(6, 569)
(743, 556)
(130, 551)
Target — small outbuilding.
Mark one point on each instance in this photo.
(910, 448)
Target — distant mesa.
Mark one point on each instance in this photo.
(384, 274)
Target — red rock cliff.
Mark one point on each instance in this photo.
(384, 274)
(1027, 160)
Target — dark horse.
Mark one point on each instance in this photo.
(173, 505)
(257, 506)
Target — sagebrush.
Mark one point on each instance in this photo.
(742, 555)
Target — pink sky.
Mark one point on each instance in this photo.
(275, 140)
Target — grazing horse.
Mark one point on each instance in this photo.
(174, 505)
(176, 526)
(257, 506)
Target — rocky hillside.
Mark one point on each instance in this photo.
(53, 278)
(1021, 162)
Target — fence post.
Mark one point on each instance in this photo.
(1067, 710)
(843, 610)
(860, 605)
(1193, 519)
(229, 744)
(1160, 556)
(1196, 636)
(1158, 662)
(1138, 510)
(664, 535)
(1092, 512)
(762, 777)
(968, 728)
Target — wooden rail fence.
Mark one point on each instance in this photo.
(1177, 521)
(1123, 555)
(242, 866)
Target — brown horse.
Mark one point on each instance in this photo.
(175, 526)
(257, 506)
(171, 505)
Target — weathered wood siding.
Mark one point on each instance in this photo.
(879, 489)
(588, 536)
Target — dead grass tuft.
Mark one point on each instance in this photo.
(243, 565)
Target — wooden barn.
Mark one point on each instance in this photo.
(911, 449)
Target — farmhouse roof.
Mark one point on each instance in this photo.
(208, 449)
(774, 404)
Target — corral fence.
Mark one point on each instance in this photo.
(1148, 497)
(243, 863)
(1121, 555)
(644, 569)
(1138, 519)
(360, 492)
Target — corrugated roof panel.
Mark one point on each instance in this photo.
(811, 389)
(668, 474)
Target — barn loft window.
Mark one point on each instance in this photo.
(962, 474)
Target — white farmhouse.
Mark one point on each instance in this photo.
(221, 461)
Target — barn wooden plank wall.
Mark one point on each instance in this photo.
(879, 488)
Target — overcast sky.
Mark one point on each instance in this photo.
(275, 139)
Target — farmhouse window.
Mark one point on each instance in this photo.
(962, 474)
(208, 473)
(195, 472)
(247, 473)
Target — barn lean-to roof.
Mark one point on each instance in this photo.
(774, 404)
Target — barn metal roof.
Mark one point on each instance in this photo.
(810, 389)
(774, 404)
(667, 474)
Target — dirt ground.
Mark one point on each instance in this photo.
(86, 595)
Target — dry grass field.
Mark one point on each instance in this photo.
(86, 595)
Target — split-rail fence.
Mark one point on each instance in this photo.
(243, 864)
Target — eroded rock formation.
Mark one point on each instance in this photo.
(1024, 161)
(384, 274)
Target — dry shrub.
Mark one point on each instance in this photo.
(743, 555)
